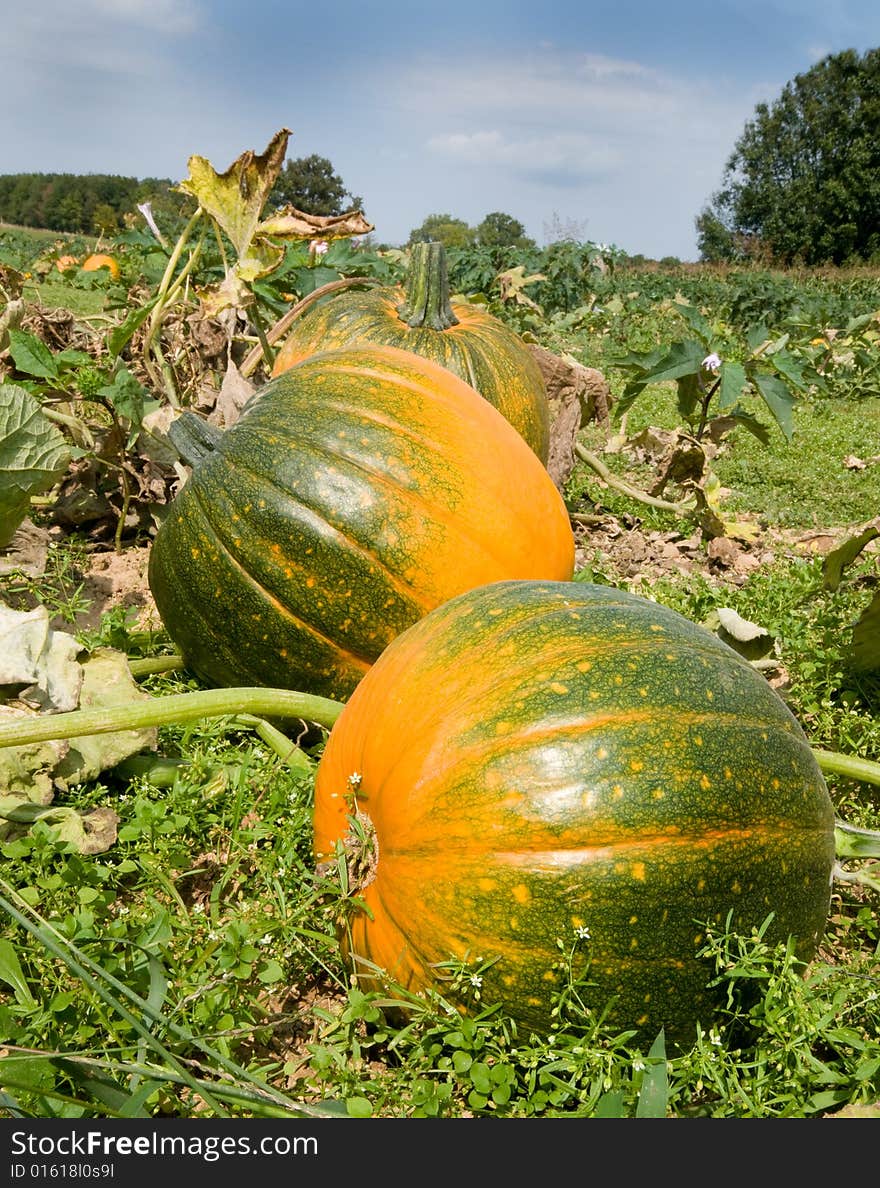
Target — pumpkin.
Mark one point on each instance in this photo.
(357, 491)
(419, 317)
(99, 260)
(65, 262)
(544, 768)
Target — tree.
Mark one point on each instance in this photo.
(445, 229)
(502, 230)
(104, 219)
(716, 242)
(313, 186)
(804, 177)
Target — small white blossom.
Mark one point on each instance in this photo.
(582, 932)
(318, 247)
(476, 981)
(712, 362)
(146, 210)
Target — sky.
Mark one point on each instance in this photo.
(609, 121)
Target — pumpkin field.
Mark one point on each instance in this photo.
(434, 682)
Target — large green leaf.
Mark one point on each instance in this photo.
(33, 456)
(778, 399)
(31, 355)
(733, 378)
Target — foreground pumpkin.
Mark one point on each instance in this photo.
(358, 491)
(419, 317)
(545, 768)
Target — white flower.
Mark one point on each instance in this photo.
(146, 210)
(711, 362)
(582, 932)
(318, 247)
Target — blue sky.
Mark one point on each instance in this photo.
(611, 119)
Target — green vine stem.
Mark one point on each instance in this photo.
(163, 299)
(150, 665)
(685, 508)
(851, 766)
(252, 359)
(175, 707)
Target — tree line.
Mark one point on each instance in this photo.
(94, 203)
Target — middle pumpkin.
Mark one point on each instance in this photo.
(358, 490)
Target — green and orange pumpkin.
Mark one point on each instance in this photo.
(419, 317)
(358, 491)
(538, 769)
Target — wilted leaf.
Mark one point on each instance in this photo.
(33, 456)
(752, 641)
(741, 629)
(230, 293)
(235, 199)
(36, 663)
(10, 318)
(235, 391)
(26, 771)
(575, 395)
(106, 682)
(513, 282)
(290, 223)
(93, 832)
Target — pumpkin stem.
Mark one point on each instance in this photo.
(193, 437)
(426, 289)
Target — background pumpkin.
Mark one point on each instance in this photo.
(535, 762)
(357, 491)
(100, 260)
(419, 317)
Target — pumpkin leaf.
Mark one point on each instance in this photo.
(749, 639)
(33, 456)
(36, 663)
(235, 198)
(31, 355)
(290, 223)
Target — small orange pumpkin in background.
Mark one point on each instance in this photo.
(99, 260)
(65, 262)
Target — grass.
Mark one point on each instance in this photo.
(52, 294)
(804, 483)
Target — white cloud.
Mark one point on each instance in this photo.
(577, 154)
